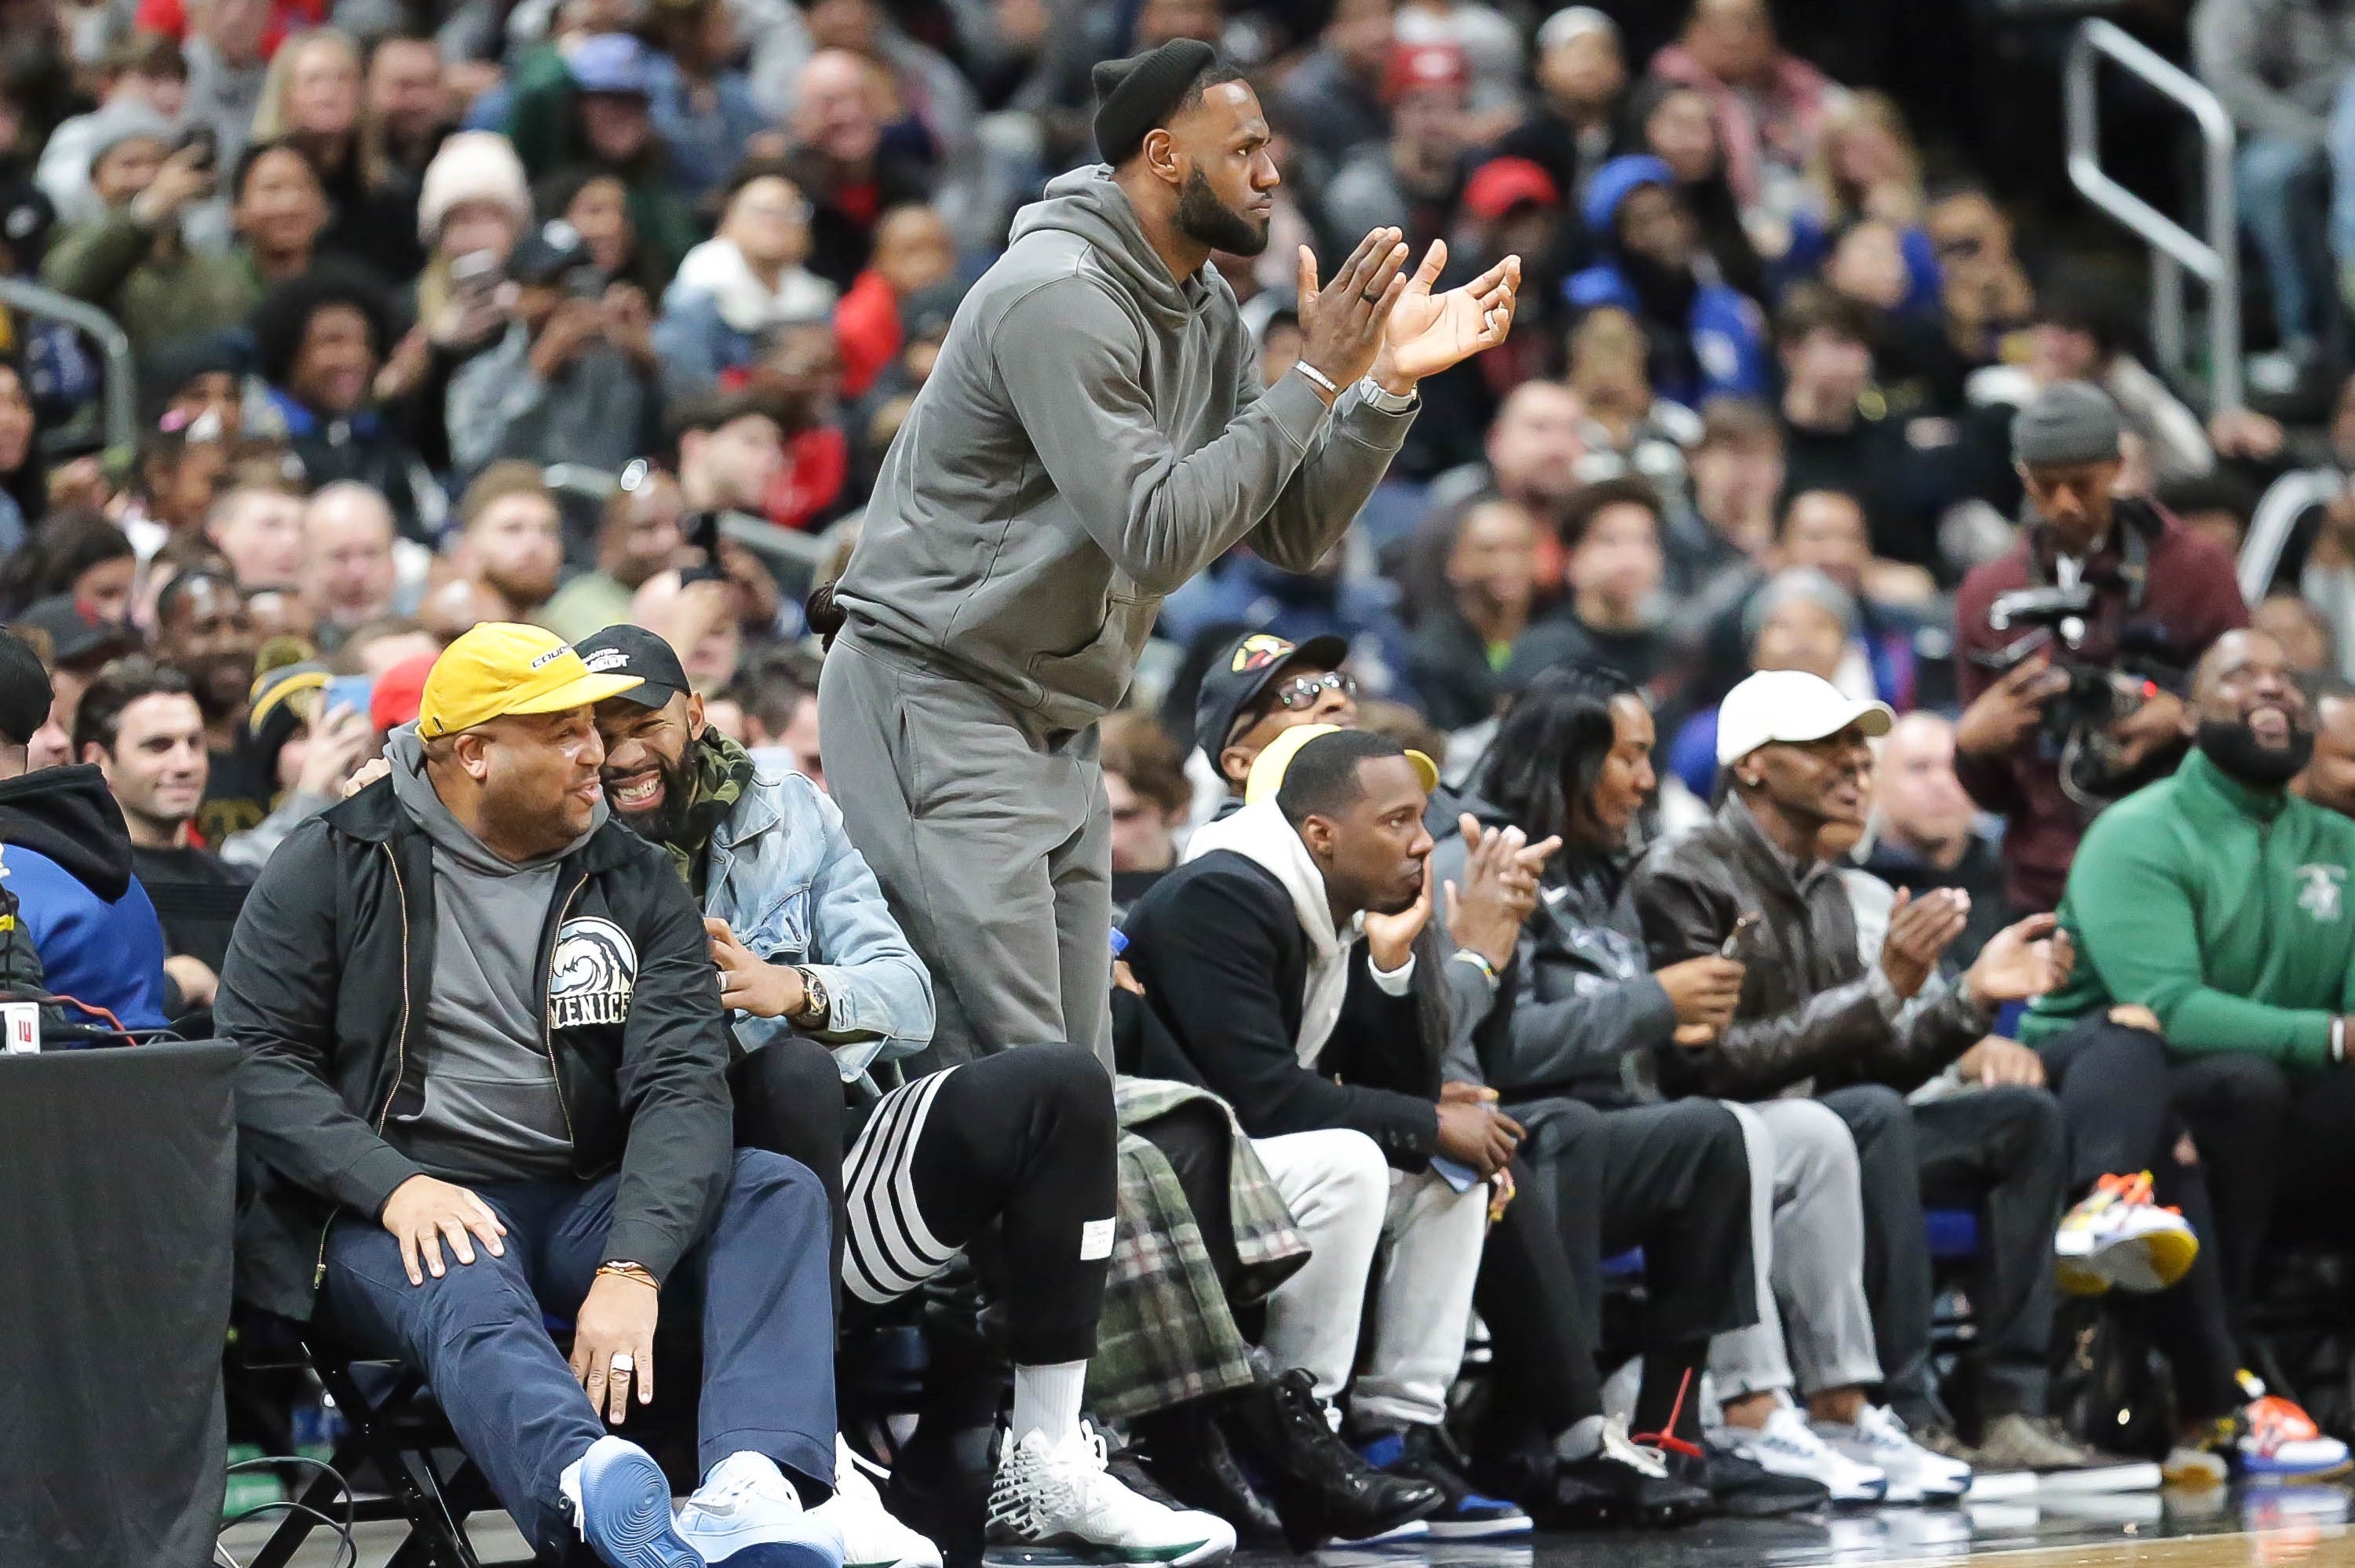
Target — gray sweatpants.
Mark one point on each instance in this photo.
(1807, 1244)
(991, 840)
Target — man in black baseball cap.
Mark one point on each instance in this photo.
(821, 983)
(1262, 685)
(567, 383)
(667, 774)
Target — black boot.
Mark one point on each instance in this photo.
(1321, 1488)
(1186, 1451)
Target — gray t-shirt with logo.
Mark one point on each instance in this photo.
(492, 1112)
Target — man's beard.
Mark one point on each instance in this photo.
(666, 821)
(524, 590)
(1204, 218)
(2234, 748)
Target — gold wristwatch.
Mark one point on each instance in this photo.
(818, 1005)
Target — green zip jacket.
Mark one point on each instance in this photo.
(2222, 909)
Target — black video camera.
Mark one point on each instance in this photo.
(2077, 722)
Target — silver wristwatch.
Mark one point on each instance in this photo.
(1373, 392)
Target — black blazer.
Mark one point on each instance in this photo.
(1220, 951)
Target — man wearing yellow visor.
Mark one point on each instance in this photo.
(484, 1074)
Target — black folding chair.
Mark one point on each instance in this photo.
(400, 1435)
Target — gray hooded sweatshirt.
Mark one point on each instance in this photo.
(1093, 433)
(492, 1112)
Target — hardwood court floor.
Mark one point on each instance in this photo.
(2303, 1527)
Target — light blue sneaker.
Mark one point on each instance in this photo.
(621, 1501)
(747, 1515)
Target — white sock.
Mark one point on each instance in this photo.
(1047, 1400)
(1581, 1439)
(567, 1483)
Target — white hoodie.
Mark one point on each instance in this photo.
(1261, 835)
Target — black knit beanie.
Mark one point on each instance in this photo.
(1136, 94)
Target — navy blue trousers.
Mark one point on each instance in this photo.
(762, 1275)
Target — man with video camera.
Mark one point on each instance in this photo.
(2070, 650)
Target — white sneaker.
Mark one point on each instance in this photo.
(746, 1514)
(1880, 1440)
(1057, 1503)
(871, 1538)
(1787, 1446)
(2278, 372)
(2117, 1236)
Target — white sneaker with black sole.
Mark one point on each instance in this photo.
(1055, 1505)
(1788, 1446)
(1880, 1440)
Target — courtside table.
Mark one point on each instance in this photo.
(118, 1182)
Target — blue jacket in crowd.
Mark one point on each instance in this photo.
(1726, 328)
(66, 860)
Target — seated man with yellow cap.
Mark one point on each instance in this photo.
(1250, 955)
(484, 1079)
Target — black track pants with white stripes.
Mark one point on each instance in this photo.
(1025, 1137)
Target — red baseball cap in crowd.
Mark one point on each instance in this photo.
(1415, 66)
(399, 692)
(1501, 184)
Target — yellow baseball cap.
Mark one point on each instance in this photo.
(501, 668)
(1267, 768)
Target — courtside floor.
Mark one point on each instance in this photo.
(2270, 1527)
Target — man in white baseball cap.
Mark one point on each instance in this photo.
(1818, 1017)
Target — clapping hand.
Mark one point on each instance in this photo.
(1499, 888)
(1430, 331)
(1920, 931)
(1342, 324)
(2024, 959)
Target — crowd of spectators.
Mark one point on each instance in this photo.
(1814, 729)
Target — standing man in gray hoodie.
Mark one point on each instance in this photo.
(1094, 434)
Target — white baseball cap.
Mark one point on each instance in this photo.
(1572, 22)
(1789, 705)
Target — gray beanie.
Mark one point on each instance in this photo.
(2070, 422)
(1790, 583)
(126, 120)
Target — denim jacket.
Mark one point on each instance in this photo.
(789, 882)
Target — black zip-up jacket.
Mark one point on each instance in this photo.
(1811, 1011)
(324, 988)
(1588, 1018)
(1219, 949)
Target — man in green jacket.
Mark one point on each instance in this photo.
(2215, 968)
(134, 263)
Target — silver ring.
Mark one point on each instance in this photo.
(623, 1363)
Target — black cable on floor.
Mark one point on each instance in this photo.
(343, 1528)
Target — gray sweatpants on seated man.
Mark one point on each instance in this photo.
(991, 840)
(1806, 1237)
